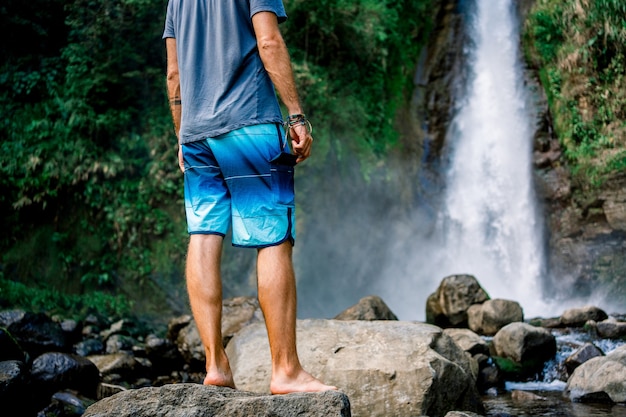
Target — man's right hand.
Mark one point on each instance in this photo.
(301, 142)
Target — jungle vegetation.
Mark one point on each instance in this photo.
(90, 194)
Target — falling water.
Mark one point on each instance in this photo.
(487, 223)
(490, 225)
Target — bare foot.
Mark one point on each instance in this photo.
(302, 382)
(220, 379)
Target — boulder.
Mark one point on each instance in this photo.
(577, 317)
(600, 379)
(492, 315)
(447, 307)
(611, 329)
(387, 368)
(581, 355)
(36, 333)
(526, 346)
(194, 400)
(368, 308)
(468, 341)
(56, 371)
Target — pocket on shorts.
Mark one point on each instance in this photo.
(282, 170)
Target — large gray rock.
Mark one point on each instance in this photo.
(387, 368)
(368, 308)
(194, 400)
(600, 379)
(611, 328)
(492, 315)
(577, 317)
(527, 346)
(447, 307)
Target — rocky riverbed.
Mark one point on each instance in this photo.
(476, 357)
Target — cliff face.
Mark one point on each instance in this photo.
(585, 229)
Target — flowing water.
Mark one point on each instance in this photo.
(490, 224)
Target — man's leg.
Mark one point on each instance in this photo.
(277, 296)
(204, 285)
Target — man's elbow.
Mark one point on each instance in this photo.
(270, 44)
(172, 75)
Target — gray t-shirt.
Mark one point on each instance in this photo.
(224, 85)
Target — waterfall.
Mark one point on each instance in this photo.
(489, 223)
(486, 220)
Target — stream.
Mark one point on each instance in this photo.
(550, 387)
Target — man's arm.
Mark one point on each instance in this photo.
(275, 57)
(173, 91)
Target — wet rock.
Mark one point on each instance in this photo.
(89, 347)
(600, 379)
(526, 346)
(492, 315)
(66, 404)
(581, 355)
(490, 377)
(36, 333)
(56, 371)
(447, 307)
(119, 343)
(577, 317)
(368, 308)
(194, 400)
(611, 329)
(387, 368)
(14, 379)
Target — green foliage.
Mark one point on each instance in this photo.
(355, 62)
(51, 301)
(581, 48)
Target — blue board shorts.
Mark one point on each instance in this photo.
(232, 180)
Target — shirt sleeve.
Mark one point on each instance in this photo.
(169, 22)
(274, 6)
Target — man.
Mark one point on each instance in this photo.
(224, 59)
